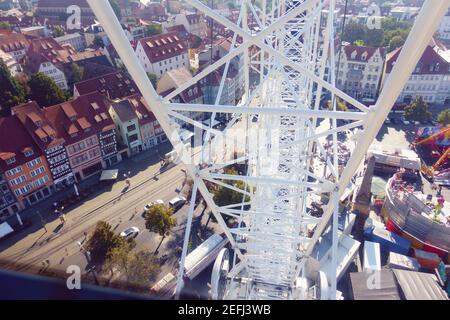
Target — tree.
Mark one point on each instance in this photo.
(396, 42)
(353, 32)
(142, 270)
(77, 73)
(103, 242)
(153, 79)
(98, 41)
(417, 110)
(153, 30)
(444, 117)
(45, 91)
(359, 43)
(11, 91)
(4, 25)
(116, 8)
(58, 32)
(158, 219)
(374, 37)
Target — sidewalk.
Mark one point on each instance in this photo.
(141, 168)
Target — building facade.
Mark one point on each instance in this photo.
(25, 168)
(45, 137)
(76, 40)
(360, 71)
(162, 53)
(430, 79)
(89, 132)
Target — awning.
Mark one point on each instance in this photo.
(109, 175)
(419, 285)
(5, 229)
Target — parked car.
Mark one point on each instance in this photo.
(387, 121)
(151, 204)
(177, 202)
(130, 233)
(405, 122)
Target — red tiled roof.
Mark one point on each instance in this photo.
(428, 62)
(71, 117)
(36, 123)
(163, 46)
(18, 140)
(177, 78)
(10, 41)
(360, 50)
(114, 85)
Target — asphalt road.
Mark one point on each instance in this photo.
(59, 244)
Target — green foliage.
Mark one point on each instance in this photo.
(396, 42)
(142, 270)
(153, 30)
(390, 28)
(11, 91)
(77, 73)
(340, 105)
(105, 244)
(45, 91)
(359, 43)
(225, 196)
(4, 25)
(58, 32)
(354, 32)
(158, 219)
(444, 117)
(153, 79)
(417, 110)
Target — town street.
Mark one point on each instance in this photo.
(58, 247)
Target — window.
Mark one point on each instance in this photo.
(132, 138)
(37, 172)
(28, 153)
(14, 171)
(11, 160)
(131, 128)
(34, 162)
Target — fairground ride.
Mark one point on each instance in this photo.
(290, 51)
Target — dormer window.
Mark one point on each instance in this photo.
(11, 160)
(364, 56)
(28, 153)
(353, 54)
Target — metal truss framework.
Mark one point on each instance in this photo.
(288, 53)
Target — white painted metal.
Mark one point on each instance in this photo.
(288, 53)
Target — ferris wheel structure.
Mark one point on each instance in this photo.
(288, 143)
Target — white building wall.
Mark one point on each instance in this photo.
(53, 72)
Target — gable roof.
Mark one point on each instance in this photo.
(176, 78)
(432, 61)
(35, 122)
(80, 118)
(17, 142)
(11, 41)
(349, 50)
(114, 85)
(163, 46)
